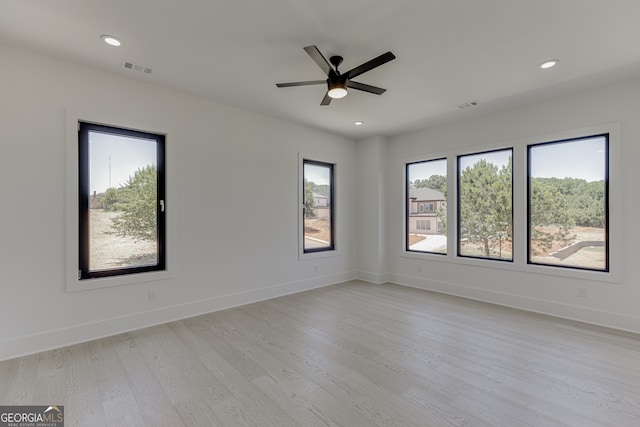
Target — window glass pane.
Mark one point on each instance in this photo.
(427, 207)
(485, 212)
(318, 206)
(121, 199)
(568, 203)
(123, 216)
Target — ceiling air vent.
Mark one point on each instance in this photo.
(469, 104)
(135, 67)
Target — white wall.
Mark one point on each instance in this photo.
(223, 163)
(371, 209)
(607, 303)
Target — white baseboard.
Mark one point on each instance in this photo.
(48, 340)
(592, 316)
(51, 339)
(376, 278)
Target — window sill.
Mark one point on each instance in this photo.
(517, 266)
(317, 255)
(75, 285)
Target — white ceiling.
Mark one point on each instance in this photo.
(448, 51)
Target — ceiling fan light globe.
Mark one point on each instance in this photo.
(337, 92)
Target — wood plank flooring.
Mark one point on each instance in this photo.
(354, 354)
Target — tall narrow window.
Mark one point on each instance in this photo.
(426, 204)
(485, 199)
(568, 203)
(318, 206)
(121, 201)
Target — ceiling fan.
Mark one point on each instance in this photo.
(338, 83)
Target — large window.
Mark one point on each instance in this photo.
(318, 206)
(568, 203)
(485, 200)
(426, 215)
(121, 201)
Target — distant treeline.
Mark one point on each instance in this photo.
(568, 201)
(320, 189)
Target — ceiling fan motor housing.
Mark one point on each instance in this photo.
(336, 61)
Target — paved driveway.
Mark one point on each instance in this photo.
(311, 243)
(431, 244)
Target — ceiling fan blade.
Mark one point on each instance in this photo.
(308, 83)
(369, 65)
(366, 88)
(326, 100)
(319, 59)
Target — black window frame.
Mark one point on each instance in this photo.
(607, 211)
(458, 207)
(331, 203)
(84, 128)
(408, 212)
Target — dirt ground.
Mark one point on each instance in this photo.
(503, 251)
(581, 234)
(318, 229)
(415, 238)
(590, 257)
(109, 251)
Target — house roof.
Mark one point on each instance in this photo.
(319, 196)
(424, 194)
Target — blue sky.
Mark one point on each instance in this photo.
(317, 174)
(424, 170)
(127, 156)
(575, 159)
(498, 158)
(584, 158)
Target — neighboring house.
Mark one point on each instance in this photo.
(321, 206)
(424, 204)
(320, 201)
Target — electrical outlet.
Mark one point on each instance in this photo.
(582, 292)
(153, 294)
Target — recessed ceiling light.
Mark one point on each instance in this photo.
(111, 40)
(358, 123)
(548, 64)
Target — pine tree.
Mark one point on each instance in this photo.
(485, 204)
(138, 203)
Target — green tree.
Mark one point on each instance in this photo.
(321, 189)
(548, 208)
(435, 182)
(309, 202)
(485, 204)
(138, 202)
(583, 201)
(558, 204)
(441, 214)
(111, 199)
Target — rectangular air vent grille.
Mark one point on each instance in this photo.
(469, 104)
(135, 67)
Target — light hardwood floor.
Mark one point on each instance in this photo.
(354, 354)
